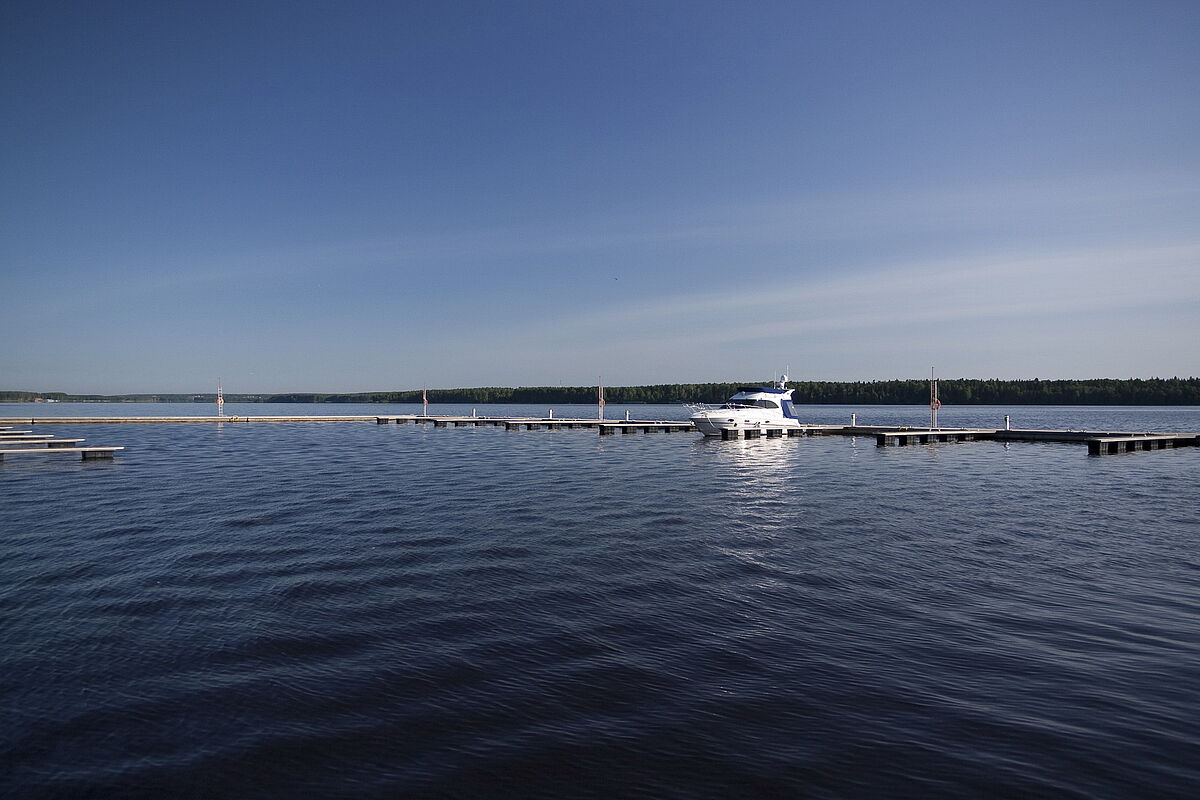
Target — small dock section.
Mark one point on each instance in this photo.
(900, 438)
(26, 443)
(87, 453)
(1112, 445)
(609, 428)
(768, 432)
(1099, 443)
(33, 441)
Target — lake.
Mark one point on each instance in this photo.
(357, 610)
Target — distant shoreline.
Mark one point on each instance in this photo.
(952, 391)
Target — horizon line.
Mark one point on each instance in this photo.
(584, 386)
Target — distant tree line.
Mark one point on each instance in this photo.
(63, 397)
(962, 391)
(953, 391)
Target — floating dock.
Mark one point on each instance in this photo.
(87, 453)
(605, 427)
(1098, 442)
(22, 443)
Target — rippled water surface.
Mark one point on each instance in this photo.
(356, 610)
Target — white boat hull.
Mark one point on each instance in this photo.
(712, 423)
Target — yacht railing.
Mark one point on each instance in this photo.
(711, 407)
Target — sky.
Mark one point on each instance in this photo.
(365, 196)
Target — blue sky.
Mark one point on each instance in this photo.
(362, 196)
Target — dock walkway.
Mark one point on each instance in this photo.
(1098, 442)
(605, 427)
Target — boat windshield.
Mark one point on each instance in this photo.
(744, 403)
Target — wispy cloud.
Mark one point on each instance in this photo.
(1088, 204)
(911, 293)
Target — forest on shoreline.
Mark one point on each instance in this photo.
(953, 391)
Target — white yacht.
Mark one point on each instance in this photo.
(752, 407)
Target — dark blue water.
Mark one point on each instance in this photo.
(355, 610)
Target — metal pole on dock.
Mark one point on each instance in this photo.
(934, 402)
(599, 399)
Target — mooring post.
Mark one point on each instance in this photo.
(1007, 427)
(551, 413)
(854, 420)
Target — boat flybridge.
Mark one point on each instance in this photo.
(750, 408)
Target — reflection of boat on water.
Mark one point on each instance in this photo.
(751, 407)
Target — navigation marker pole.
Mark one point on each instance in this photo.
(220, 400)
(934, 402)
